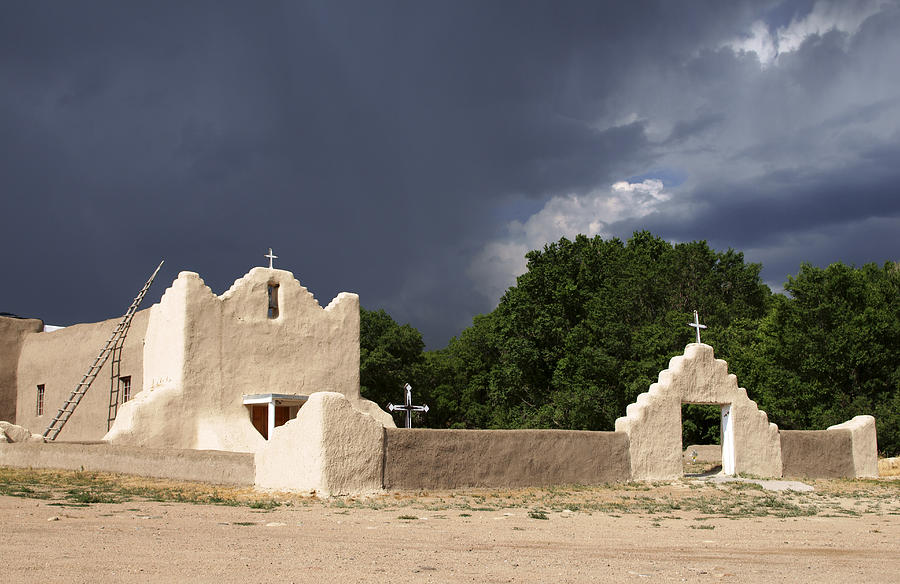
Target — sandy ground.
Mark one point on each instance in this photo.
(318, 542)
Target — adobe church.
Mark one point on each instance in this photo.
(197, 371)
(259, 386)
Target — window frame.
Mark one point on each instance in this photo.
(39, 399)
(125, 387)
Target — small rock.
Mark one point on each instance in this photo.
(54, 518)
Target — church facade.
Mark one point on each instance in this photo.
(198, 371)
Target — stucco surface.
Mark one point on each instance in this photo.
(12, 336)
(330, 448)
(817, 453)
(447, 459)
(231, 468)
(14, 433)
(653, 422)
(705, 453)
(204, 352)
(864, 445)
(59, 360)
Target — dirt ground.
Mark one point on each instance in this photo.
(685, 531)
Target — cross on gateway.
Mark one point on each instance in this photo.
(409, 408)
(271, 257)
(696, 325)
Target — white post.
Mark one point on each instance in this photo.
(271, 425)
(727, 441)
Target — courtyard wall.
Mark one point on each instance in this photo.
(817, 453)
(450, 459)
(209, 466)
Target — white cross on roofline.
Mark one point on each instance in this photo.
(408, 408)
(271, 257)
(696, 325)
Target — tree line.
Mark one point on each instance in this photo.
(591, 323)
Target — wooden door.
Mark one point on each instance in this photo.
(260, 418)
(282, 415)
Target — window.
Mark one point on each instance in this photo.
(273, 300)
(125, 388)
(39, 406)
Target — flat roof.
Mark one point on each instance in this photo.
(264, 398)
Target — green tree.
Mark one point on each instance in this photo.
(830, 350)
(588, 327)
(456, 380)
(389, 356)
(591, 323)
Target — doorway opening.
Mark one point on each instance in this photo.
(269, 410)
(707, 439)
(259, 415)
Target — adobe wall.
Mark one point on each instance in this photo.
(204, 352)
(12, 336)
(844, 450)
(331, 448)
(863, 444)
(817, 454)
(450, 459)
(59, 359)
(227, 468)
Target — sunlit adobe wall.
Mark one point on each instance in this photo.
(205, 352)
(59, 360)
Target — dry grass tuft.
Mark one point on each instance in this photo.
(889, 467)
(663, 500)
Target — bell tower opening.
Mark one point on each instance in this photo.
(273, 300)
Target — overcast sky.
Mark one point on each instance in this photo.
(412, 152)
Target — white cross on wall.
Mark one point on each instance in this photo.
(696, 324)
(271, 257)
(408, 408)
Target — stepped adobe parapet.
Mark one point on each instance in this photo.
(653, 422)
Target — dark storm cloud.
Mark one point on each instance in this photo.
(800, 162)
(378, 146)
(785, 202)
(685, 129)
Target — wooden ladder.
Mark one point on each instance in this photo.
(115, 341)
(115, 369)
